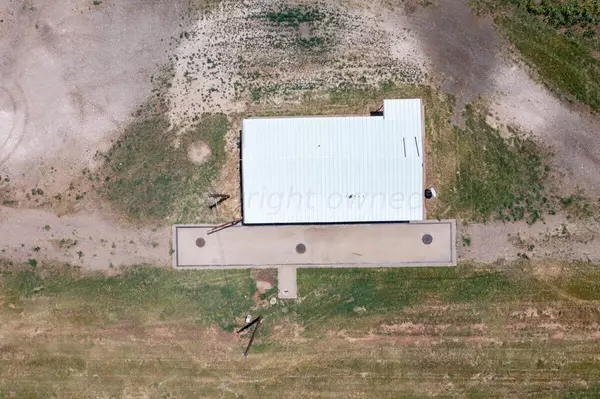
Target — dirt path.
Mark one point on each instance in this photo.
(103, 243)
(555, 238)
(87, 240)
(572, 134)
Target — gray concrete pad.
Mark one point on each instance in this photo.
(286, 281)
(345, 245)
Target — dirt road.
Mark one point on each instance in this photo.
(87, 240)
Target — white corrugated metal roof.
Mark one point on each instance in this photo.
(334, 169)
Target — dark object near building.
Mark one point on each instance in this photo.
(300, 248)
(428, 193)
(427, 239)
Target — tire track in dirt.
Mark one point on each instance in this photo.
(13, 115)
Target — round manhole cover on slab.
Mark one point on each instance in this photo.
(427, 239)
(200, 242)
(300, 248)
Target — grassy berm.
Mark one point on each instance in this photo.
(511, 330)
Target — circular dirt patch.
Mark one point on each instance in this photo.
(7, 118)
(199, 152)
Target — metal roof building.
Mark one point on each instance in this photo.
(334, 169)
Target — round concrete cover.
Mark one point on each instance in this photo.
(200, 242)
(427, 239)
(300, 248)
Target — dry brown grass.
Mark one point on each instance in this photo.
(470, 331)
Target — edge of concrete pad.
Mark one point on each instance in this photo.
(174, 247)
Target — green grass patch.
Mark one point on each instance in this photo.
(311, 42)
(466, 240)
(592, 391)
(152, 179)
(294, 16)
(566, 13)
(300, 26)
(348, 294)
(151, 330)
(269, 293)
(140, 294)
(145, 294)
(496, 177)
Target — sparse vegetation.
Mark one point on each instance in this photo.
(311, 42)
(152, 178)
(557, 38)
(466, 240)
(64, 243)
(269, 293)
(579, 207)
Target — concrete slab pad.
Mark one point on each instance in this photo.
(286, 281)
(424, 243)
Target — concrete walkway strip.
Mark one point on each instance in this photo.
(424, 243)
(286, 280)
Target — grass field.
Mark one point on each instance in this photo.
(495, 177)
(502, 331)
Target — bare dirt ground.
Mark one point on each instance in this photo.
(72, 73)
(555, 238)
(472, 60)
(88, 240)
